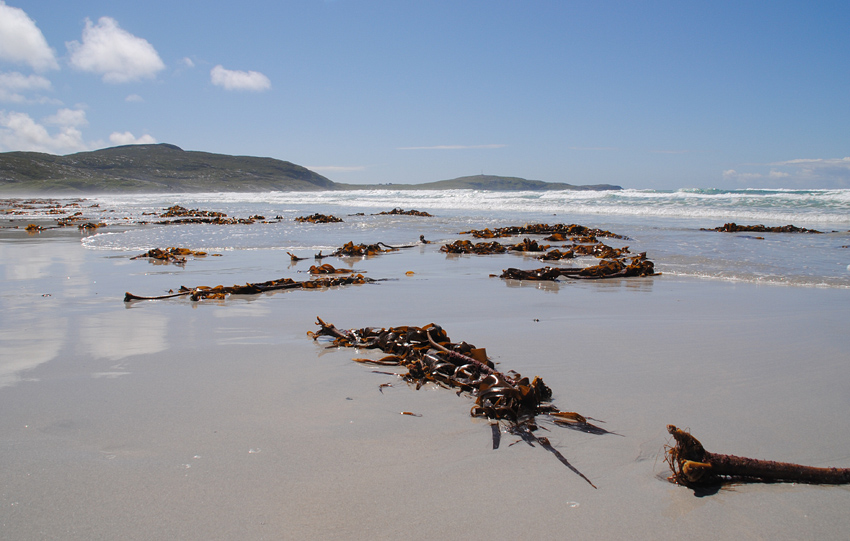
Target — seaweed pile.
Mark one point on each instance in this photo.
(732, 227)
(479, 248)
(170, 255)
(350, 249)
(180, 215)
(430, 356)
(220, 292)
(608, 268)
(318, 219)
(327, 268)
(400, 212)
(559, 232)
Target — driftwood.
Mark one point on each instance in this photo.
(695, 467)
(220, 292)
(430, 356)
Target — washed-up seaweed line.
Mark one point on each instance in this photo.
(732, 227)
(220, 292)
(609, 268)
(694, 467)
(430, 356)
(572, 230)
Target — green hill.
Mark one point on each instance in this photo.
(151, 169)
(164, 168)
(486, 182)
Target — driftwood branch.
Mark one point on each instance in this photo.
(693, 466)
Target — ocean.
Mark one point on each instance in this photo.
(667, 225)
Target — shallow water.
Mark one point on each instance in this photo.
(666, 225)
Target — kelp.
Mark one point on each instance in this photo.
(220, 292)
(177, 211)
(360, 250)
(429, 356)
(608, 268)
(562, 230)
(480, 248)
(529, 245)
(692, 466)
(557, 255)
(90, 225)
(178, 215)
(318, 219)
(732, 227)
(327, 268)
(171, 254)
(400, 212)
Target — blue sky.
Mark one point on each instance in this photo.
(649, 94)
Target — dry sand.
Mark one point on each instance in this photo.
(223, 420)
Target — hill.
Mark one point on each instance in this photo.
(164, 168)
(485, 182)
(151, 169)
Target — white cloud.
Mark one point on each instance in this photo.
(22, 42)
(134, 98)
(841, 163)
(128, 138)
(109, 50)
(239, 80)
(451, 147)
(20, 132)
(12, 85)
(731, 174)
(68, 117)
(187, 62)
(803, 172)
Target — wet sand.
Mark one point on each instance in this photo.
(222, 419)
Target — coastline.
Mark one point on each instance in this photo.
(222, 418)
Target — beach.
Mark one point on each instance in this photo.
(221, 419)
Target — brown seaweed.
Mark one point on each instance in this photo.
(608, 268)
(694, 467)
(563, 231)
(362, 250)
(171, 254)
(400, 212)
(480, 248)
(327, 268)
(319, 219)
(429, 356)
(220, 292)
(732, 227)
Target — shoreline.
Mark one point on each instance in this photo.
(220, 419)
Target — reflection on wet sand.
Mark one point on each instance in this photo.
(28, 342)
(122, 333)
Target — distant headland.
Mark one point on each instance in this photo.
(164, 168)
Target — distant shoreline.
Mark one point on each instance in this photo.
(165, 168)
